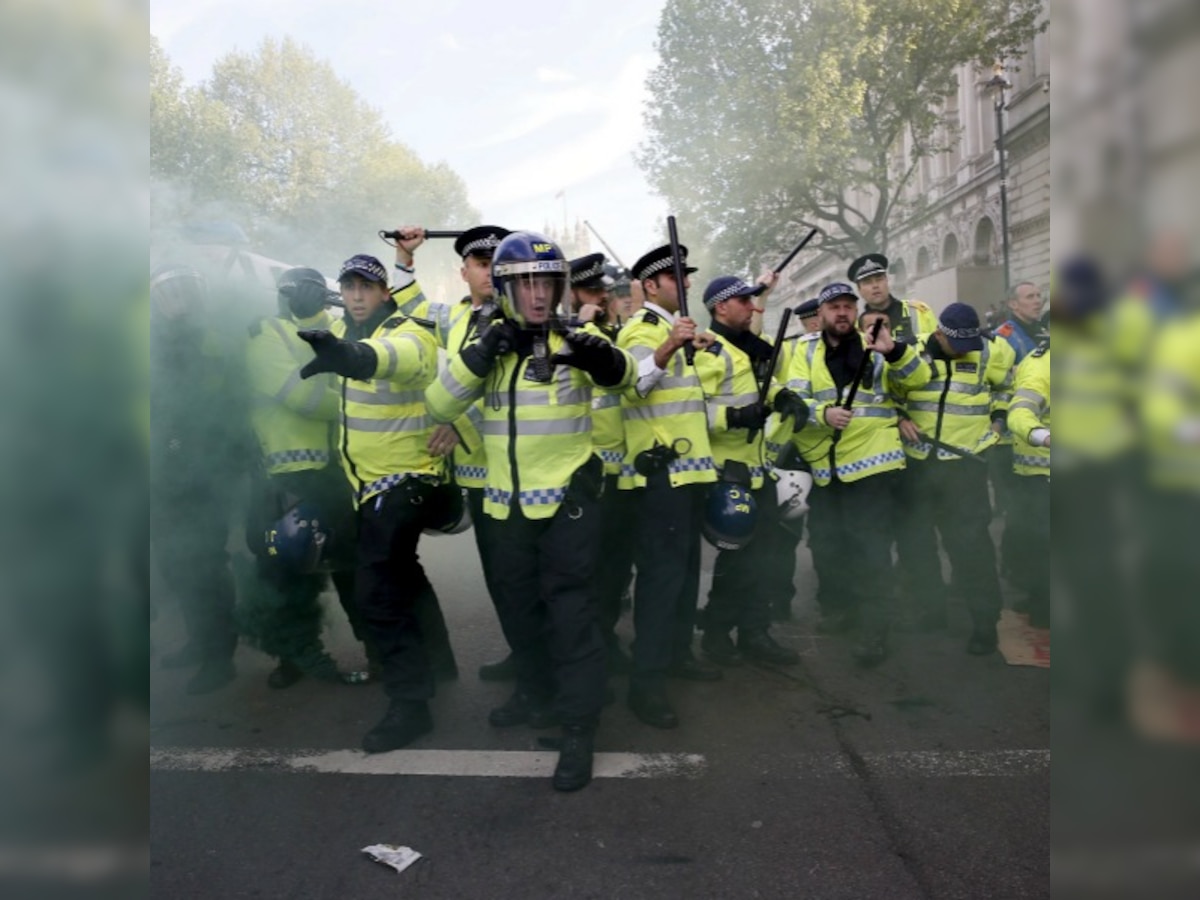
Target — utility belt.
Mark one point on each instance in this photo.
(585, 487)
(659, 457)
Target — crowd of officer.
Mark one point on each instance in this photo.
(589, 445)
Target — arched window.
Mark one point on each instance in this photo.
(985, 237)
(898, 277)
(922, 263)
(950, 252)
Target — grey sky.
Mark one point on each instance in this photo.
(521, 106)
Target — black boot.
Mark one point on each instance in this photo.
(403, 723)
(983, 640)
(574, 769)
(504, 670)
(761, 647)
(718, 646)
(652, 707)
(871, 650)
(284, 675)
(213, 674)
(523, 708)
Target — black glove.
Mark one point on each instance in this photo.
(788, 403)
(752, 415)
(592, 354)
(499, 338)
(348, 358)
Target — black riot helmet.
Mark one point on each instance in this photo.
(303, 293)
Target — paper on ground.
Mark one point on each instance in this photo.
(399, 858)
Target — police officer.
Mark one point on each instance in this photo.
(854, 454)
(386, 360)
(963, 405)
(293, 420)
(545, 500)
(907, 319)
(668, 461)
(591, 298)
(809, 314)
(456, 325)
(195, 457)
(731, 369)
(1021, 329)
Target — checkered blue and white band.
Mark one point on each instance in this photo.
(958, 333)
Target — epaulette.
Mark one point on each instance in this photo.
(650, 317)
(1041, 349)
(1004, 330)
(255, 328)
(924, 307)
(396, 321)
(714, 348)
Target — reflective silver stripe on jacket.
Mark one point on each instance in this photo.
(658, 410)
(383, 396)
(956, 409)
(573, 425)
(404, 424)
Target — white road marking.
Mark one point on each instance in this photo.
(539, 764)
(470, 763)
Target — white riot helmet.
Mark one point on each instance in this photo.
(792, 489)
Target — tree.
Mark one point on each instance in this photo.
(277, 142)
(771, 116)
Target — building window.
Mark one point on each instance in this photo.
(985, 237)
(950, 252)
(922, 263)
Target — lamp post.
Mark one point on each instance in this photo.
(997, 86)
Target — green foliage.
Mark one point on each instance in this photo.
(276, 141)
(773, 115)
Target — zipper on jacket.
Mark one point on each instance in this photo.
(512, 433)
(937, 433)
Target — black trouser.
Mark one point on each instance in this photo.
(666, 553)
(950, 498)
(741, 587)
(546, 602)
(189, 537)
(393, 594)
(616, 556)
(481, 525)
(1028, 533)
(779, 563)
(1171, 609)
(852, 524)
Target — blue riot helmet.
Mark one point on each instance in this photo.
(303, 292)
(529, 275)
(730, 515)
(297, 540)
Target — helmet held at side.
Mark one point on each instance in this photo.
(730, 515)
(297, 540)
(530, 276)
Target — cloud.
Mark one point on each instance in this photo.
(546, 75)
(449, 42)
(616, 108)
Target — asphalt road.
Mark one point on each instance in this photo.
(926, 777)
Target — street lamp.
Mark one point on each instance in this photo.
(997, 86)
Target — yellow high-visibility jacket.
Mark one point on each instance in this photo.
(727, 376)
(870, 444)
(385, 427)
(673, 412)
(536, 434)
(1030, 409)
(293, 418)
(958, 402)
